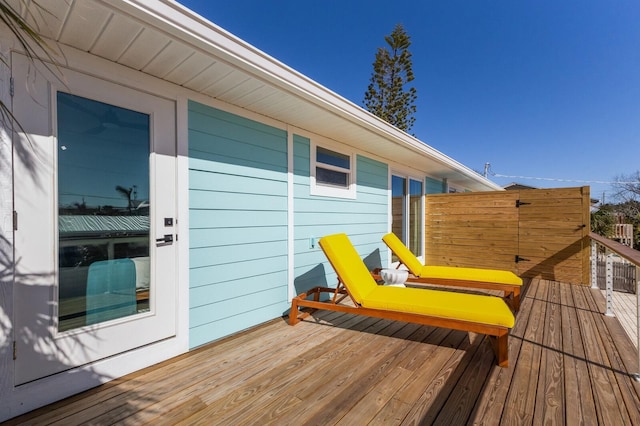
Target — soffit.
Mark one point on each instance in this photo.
(163, 39)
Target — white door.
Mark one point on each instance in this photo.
(95, 182)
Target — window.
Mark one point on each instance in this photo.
(407, 212)
(332, 173)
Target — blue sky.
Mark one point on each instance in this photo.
(547, 89)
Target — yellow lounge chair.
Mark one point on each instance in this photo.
(492, 279)
(459, 311)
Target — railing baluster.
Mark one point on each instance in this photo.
(594, 264)
(609, 274)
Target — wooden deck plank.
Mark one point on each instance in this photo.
(470, 380)
(608, 329)
(568, 364)
(602, 378)
(522, 393)
(491, 403)
(431, 357)
(433, 397)
(578, 395)
(550, 396)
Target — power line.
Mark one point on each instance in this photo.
(487, 169)
(563, 180)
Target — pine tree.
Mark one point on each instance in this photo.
(386, 96)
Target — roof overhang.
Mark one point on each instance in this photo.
(168, 41)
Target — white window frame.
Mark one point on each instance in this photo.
(329, 190)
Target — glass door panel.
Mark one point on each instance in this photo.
(415, 217)
(398, 208)
(103, 211)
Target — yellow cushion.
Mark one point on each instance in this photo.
(470, 274)
(348, 265)
(489, 310)
(404, 254)
(447, 272)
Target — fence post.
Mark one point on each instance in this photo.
(594, 264)
(636, 376)
(609, 276)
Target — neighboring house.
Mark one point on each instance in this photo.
(518, 186)
(169, 190)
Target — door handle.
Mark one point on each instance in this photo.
(168, 238)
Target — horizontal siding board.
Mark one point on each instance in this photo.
(235, 289)
(231, 307)
(210, 167)
(218, 145)
(201, 116)
(372, 173)
(212, 274)
(206, 218)
(226, 236)
(267, 161)
(310, 205)
(433, 186)
(215, 330)
(335, 219)
(275, 183)
(237, 254)
(236, 201)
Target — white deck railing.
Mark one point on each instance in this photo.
(612, 248)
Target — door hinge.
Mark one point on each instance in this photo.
(521, 259)
(15, 350)
(11, 86)
(521, 203)
(15, 220)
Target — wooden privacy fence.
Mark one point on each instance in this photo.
(534, 233)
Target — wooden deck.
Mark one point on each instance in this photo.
(625, 309)
(569, 364)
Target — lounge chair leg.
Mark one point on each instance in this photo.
(516, 300)
(500, 346)
(293, 314)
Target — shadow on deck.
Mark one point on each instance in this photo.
(568, 364)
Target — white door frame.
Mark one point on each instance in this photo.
(34, 106)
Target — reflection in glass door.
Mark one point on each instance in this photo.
(103, 211)
(415, 217)
(398, 208)
(407, 213)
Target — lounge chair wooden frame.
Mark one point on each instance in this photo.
(511, 291)
(498, 335)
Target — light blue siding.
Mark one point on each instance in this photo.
(238, 223)
(364, 220)
(434, 186)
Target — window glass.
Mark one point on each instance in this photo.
(333, 173)
(103, 211)
(332, 158)
(407, 213)
(332, 177)
(415, 217)
(398, 208)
